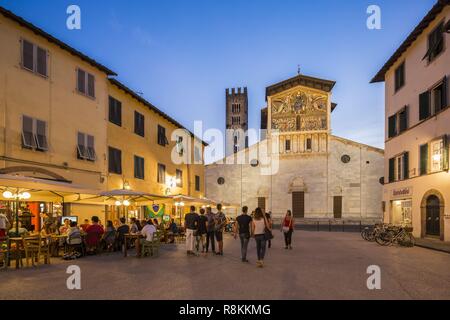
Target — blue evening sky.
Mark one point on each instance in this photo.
(183, 54)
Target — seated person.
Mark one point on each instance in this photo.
(65, 227)
(109, 237)
(22, 231)
(148, 231)
(134, 226)
(172, 231)
(85, 225)
(94, 234)
(47, 230)
(74, 234)
(122, 230)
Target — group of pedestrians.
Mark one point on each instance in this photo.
(205, 229)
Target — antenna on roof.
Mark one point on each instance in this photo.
(298, 69)
(140, 93)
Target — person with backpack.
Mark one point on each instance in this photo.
(243, 229)
(287, 227)
(220, 223)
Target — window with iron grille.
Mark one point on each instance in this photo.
(34, 58)
(85, 83)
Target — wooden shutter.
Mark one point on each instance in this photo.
(91, 85)
(41, 136)
(424, 105)
(403, 117)
(28, 55)
(81, 146)
(138, 167)
(337, 207)
(424, 159)
(197, 183)
(446, 154)
(139, 124)
(115, 161)
(27, 133)
(92, 156)
(81, 81)
(406, 165)
(391, 170)
(444, 92)
(392, 124)
(298, 204)
(41, 67)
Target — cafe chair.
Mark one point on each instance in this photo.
(4, 254)
(146, 248)
(156, 243)
(32, 248)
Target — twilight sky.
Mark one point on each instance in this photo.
(183, 54)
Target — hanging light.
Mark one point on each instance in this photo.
(7, 195)
(126, 203)
(118, 203)
(25, 195)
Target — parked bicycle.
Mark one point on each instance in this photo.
(396, 235)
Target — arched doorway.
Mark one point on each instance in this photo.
(433, 207)
(433, 216)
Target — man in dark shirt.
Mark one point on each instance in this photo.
(191, 226)
(243, 227)
(122, 230)
(201, 231)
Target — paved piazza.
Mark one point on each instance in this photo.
(321, 266)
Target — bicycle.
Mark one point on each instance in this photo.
(396, 235)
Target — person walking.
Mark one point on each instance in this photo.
(210, 230)
(243, 228)
(201, 231)
(220, 223)
(259, 226)
(191, 226)
(287, 227)
(269, 220)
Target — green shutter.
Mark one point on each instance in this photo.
(444, 93)
(424, 105)
(392, 126)
(391, 170)
(446, 154)
(406, 165)
(424, 159)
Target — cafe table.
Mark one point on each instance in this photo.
(128, 238)
(19, 242)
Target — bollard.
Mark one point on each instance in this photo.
(318, 226)
(329, 225)
(343, 226)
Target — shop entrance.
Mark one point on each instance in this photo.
(433, 216)
(402, 212)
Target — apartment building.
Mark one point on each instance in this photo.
(417, 178)
(69, 131)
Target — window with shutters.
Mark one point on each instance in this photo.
(34, 58)
(86, 147)
(392, 126)
(435, 43)
(162, 139)
(161, 178)
(139, 167)
(85, 83)
(288, 145)
(179, 178)
(139, 124)
(197, 183)
(34, 134)
(400, 77)
(115, 111)
(399, 168)
(434, 100)
(424, 106)
(114, 160)
(398, 123)
(437, 155)
(423, 166)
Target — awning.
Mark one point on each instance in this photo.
(44, 190)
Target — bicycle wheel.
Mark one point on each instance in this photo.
(364, 234)
(384, 238)
(407, 240)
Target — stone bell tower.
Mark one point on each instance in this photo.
(236, 120)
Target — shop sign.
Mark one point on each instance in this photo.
(402, 192)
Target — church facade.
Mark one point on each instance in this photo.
(299, 165)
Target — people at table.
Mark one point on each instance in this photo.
(47, 230)
(109, 237)
(93, 235)
(4, 225)
(85, 225)
(172, 230)
(122, 230)
(65, 227)
(74, 234)
(134, 226)
(22, 231)
(148, 231)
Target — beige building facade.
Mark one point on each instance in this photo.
(417, 179)
(301, 166)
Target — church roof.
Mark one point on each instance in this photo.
(300, 80)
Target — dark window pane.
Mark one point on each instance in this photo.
(92, 155)
(115, 161)
(162, 139)
(424, 159)
(308, 144)
(392, 123)
(81, 146)
(139, 124)
(115, 111)
(288, 145)
(424, 105)
(81, 82)
(28, 55)
(392, 170)
(139, 167)
(42, 62)
(91, 86)
(400, 76)
(197, 183)
(406, 165)
(403, 118)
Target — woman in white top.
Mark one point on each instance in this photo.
(259, 225)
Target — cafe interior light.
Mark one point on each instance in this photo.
(126, 185)
(437, 157)
(7, 195)
(126, 203)
(118, 203)
(19, 196)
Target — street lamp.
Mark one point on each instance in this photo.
(17, 197)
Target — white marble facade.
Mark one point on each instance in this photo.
(323, 168)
